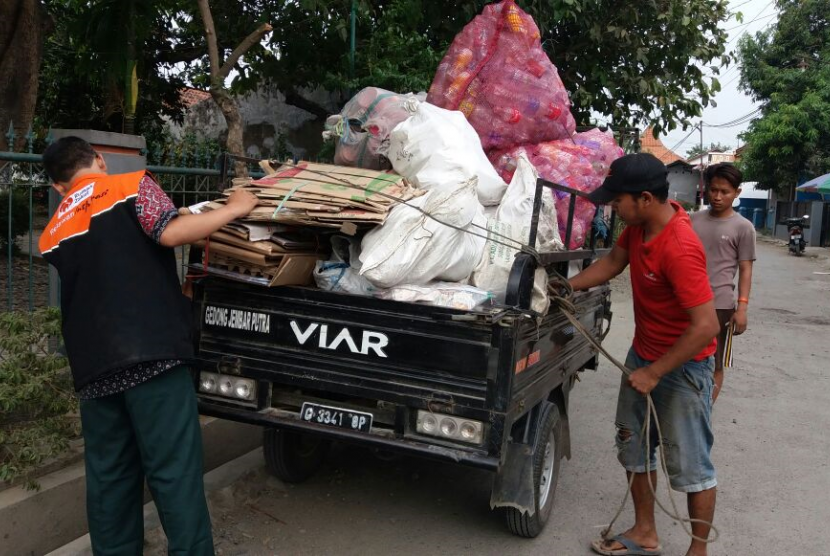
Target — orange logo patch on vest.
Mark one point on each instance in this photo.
(73, 200)
(84, 202)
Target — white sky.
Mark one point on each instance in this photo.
(732, 103)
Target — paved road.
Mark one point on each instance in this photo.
(772, 452)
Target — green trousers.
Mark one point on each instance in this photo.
(150, 431)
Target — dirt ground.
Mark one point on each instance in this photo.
(772, 452)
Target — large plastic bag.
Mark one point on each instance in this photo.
(363, 126)
(438, 148)
(580, 163)
(497, 74)
(341, 272)
(441, 294)
(517, 208)
(411, 248)
(513, 221)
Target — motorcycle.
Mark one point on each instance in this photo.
(795, 227)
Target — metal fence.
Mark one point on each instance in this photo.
(793, 209)
(27, 199)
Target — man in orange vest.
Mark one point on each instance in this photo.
(126, 327)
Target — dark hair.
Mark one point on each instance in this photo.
(661, 193)
(725, 171)
(63, 158)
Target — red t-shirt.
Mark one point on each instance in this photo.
(668, 276)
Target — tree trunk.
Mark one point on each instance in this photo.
(219, 72)
(234, 145)
(23, 25)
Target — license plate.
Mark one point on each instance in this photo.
(336, 417)
(796, 237)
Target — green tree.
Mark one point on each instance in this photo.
(634, 62)
(23, 25)
(91, 69)
(219, 70)
(787, 69)
(716, 147)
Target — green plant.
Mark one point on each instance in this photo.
(20, 217)
(786, 69)
(38, 408)
(687, 206)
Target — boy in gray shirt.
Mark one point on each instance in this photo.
(729, 242)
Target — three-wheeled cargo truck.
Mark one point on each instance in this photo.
(486, 388)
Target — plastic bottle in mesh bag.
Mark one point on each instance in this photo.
(498, 75)
(581, 162)
(363, 126)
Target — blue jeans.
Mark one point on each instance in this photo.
(683, 399)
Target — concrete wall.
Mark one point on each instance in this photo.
(265, 117)
(121, 152)
(816, 231)
(683, 184)
(813, 234)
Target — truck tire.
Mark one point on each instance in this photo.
(547, 456)
(291, 456)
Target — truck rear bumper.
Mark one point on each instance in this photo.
(268, 418)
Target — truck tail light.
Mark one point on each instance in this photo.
(449, 427)
(227, 386)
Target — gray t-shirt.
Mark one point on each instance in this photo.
(726, 241)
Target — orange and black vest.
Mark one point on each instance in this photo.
(120, 295)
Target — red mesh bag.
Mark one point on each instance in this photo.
(497, 74)
(581, 162)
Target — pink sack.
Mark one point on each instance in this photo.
(496, 73)
(363, 126)
(580, 163)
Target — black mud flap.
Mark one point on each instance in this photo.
(513, 486)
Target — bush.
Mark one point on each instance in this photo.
(38, 407)
(20, 216)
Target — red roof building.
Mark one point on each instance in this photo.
(191, 97)
(649, 144)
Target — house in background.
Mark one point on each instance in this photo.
(712, 157)
(684, 182)
(683, 178)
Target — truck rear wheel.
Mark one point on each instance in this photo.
(547, 456)
(291, 456)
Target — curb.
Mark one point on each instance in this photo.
(219, 478)
(37, 522)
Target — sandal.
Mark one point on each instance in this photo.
(630, 548)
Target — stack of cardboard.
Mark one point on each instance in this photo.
(276, 245)
(261, 253)
(324, 196)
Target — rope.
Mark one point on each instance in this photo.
(556, 287)
(565, 304)
(490, 236)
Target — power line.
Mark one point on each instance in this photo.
(728, 71)
(732, 10)
(731, 81)
(737, 121)
(754, 20)
(757, 18)
(750, 22)
(671, 150)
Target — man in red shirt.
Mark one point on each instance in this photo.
(671, 359)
